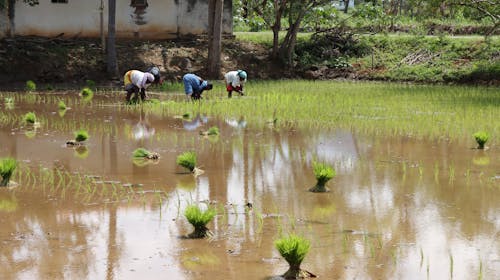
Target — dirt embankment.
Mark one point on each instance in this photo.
(53, 61)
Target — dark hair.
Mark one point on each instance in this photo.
(209, 86)
(155, 71)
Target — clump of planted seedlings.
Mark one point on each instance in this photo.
(199, 219)
(30, 86)
(481, 139)
(323, 174)
(87, 93)
(80, 136)
(7, 167)
(293, 249)
(61, 105)
(188, 161)
(30, 118)
(145, 154)
(212, 131)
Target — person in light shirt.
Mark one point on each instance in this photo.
(136, 82)
(235, 81)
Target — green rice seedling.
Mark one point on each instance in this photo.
(428, 268)
(293, 249)
(323, 174)
(81, 135)
(7, 167)
(30, 118)
(436, 172)
(451, 266)
(421, 257)
(480, 276)
(87, 94)
(345, 240)
(86, 91)
(213, 131)
(481, 138)
(260, 221)
(394, 256)
(188, 161)
(451, 177)
(199, 219)
(30, 86)
(61, 105)
(144, 153)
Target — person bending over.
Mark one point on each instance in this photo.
(136, 82)
(235, 81)
(194, 86)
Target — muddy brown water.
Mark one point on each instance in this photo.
(399, 208)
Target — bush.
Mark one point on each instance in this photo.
(331, 48)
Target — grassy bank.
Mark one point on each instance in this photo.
(430, 59)
(416, 58)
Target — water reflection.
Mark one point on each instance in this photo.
(398, 208)
(193, 123)
(143, 129)
(236, 123)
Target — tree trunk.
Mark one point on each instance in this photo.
(112, 67)
(279, 8)
(288, 46)
(215, 10)
(11, 13)
(346, 7)
(101, 26)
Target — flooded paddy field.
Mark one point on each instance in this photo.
(412, 196)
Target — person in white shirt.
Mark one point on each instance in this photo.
(136, 81)
(235, 81)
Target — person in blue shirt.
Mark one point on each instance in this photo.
(194, 86)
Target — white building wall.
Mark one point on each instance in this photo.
(81, 18)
